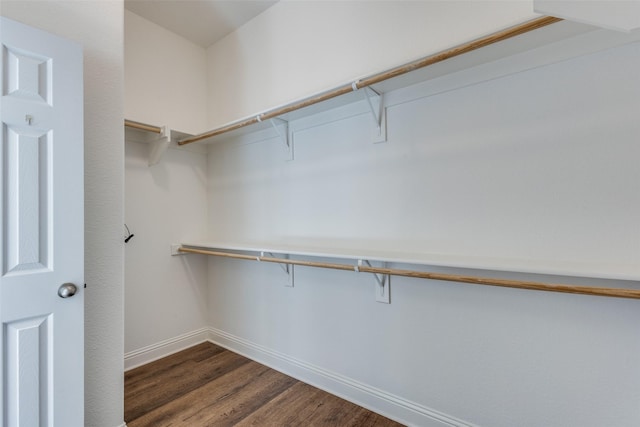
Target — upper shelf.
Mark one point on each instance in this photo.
(367, 251)
(158, 137)
(543, 40)
(526, 36)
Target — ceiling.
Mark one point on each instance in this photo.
(204, 22)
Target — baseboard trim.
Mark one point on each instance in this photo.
(156, 351)
(374, 399)
(387, 404)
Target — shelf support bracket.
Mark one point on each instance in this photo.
(383, 282)
(175, 249)
(287, 268)
(286, 137)
(378, 113)
(158, 146)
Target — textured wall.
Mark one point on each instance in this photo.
(98, 26)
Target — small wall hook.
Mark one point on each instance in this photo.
(128, 234)
(28, 118)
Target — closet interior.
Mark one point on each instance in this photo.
(507, 160)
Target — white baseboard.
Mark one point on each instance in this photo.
(379, 401)
(156, 351)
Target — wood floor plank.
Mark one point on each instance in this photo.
(304, 405)
(180, 372)
(209, 386)
(172, 384)
(221, 402)
(301, 401)
(196, 353)
(246, 399)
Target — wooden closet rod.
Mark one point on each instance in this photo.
(380, 77)
(518, 284)
(142, 126)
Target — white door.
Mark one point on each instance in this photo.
(41, 207)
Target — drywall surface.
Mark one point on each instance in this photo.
(165, 77)
(539, 165)
(165, 296)
(98, 26)
(297, 49)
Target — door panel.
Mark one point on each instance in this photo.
(42, 209)
(27, 75)
(26, 178)
(29, 373)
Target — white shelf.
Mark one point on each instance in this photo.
(158, 143)
(527, 42)
(535, 266)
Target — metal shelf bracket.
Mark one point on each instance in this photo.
(378, 113)
(286, 136)
(287, 268)
(383, 282)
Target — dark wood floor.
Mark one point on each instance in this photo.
(207, 385)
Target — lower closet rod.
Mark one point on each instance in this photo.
(518, 284)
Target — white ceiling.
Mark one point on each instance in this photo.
(202, 21)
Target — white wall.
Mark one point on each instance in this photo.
(165, 297)
(537, 165)
(98, 26)
(297, 49)
(165, 77)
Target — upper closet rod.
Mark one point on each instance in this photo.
(518, 284)
(142, 126)
(380, 77)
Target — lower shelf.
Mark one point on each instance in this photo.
(363, 266)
